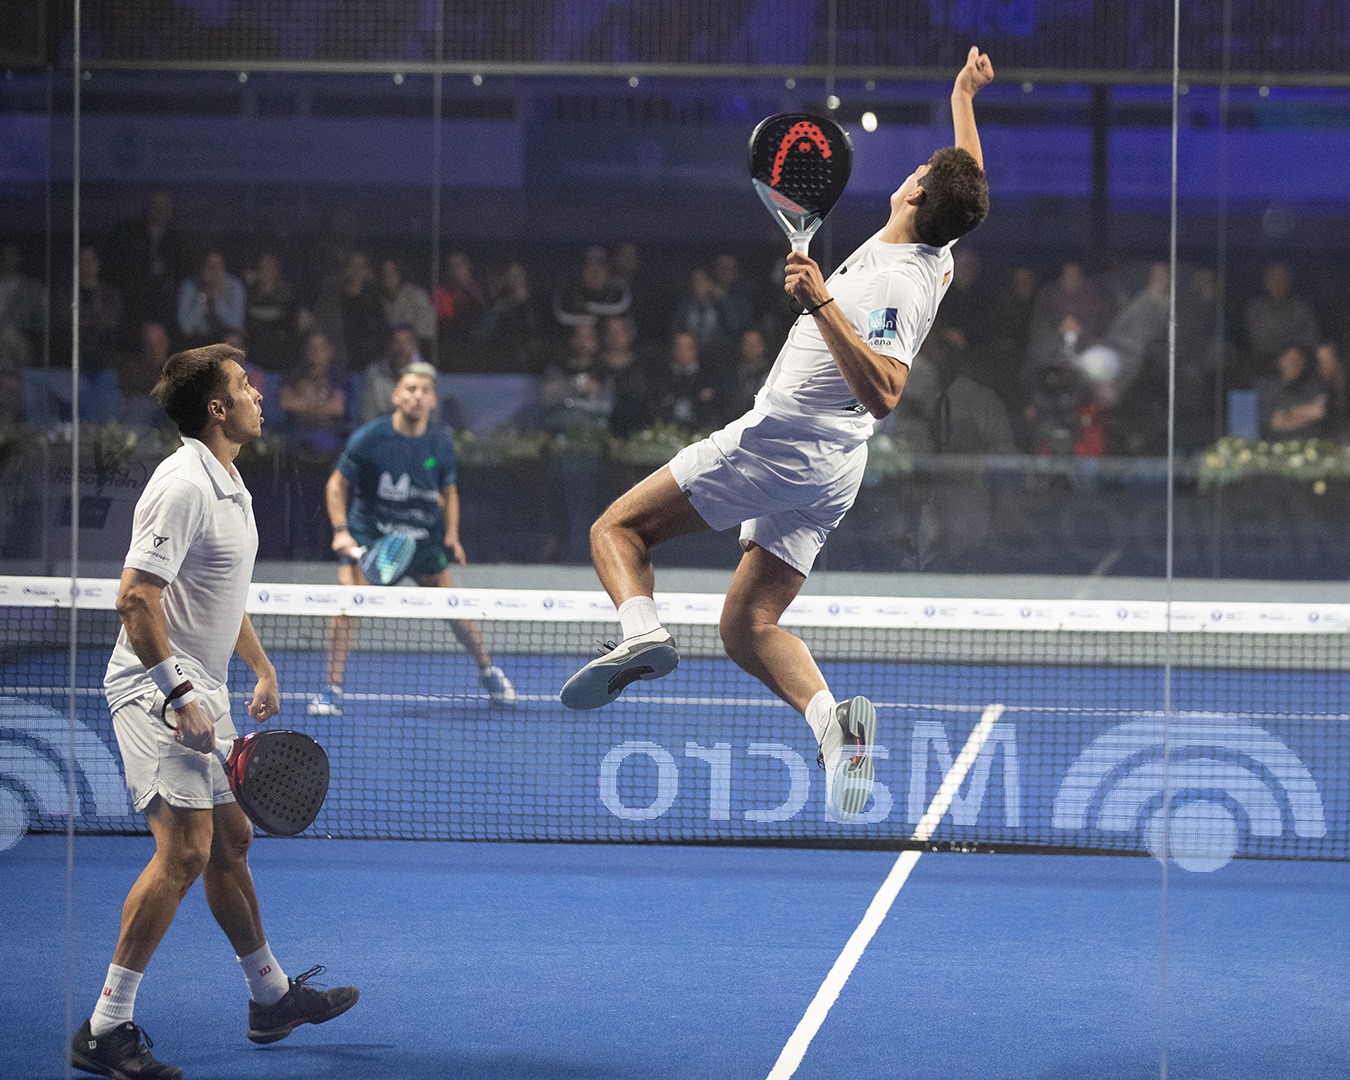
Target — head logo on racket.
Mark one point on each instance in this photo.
(802, 136)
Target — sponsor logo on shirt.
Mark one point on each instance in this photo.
(392, 490)
(882, 326)
(158, 539)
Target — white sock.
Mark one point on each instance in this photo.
(820, 713)
(637, 615)
(267, 983)
(117, 1001)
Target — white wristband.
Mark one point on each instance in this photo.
(168, 675)
(182, 701)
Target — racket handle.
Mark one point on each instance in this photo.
(800, 242)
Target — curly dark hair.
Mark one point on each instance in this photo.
(190, 380)
(955, 197)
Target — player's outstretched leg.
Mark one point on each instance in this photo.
(846, 757)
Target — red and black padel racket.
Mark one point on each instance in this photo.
(279, 778)
(799, 166)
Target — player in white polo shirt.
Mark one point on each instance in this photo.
(789, 469)
(181, 599)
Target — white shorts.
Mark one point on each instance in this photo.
(786, 487)
(157, 764)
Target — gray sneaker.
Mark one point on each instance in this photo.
(644, 656)
(846, 757)
(122, 1053)
(303, 1004)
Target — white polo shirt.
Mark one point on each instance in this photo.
(890, 293)
(193, 528)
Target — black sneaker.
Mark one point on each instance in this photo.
(122, 1053)
(301, 1005)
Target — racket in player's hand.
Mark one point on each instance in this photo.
(387, 560)
(279, 778)
(799, 166)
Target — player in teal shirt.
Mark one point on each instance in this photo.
(399, 470)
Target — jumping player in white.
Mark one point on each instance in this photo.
(789, 469)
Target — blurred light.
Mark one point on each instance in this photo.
(869, 121)
(243, 76)
(477, 80)
(633, 81)
(87, 76)
(1183, 88)
(870, 84)
(1264, 91)
(791, 84)
(398, 79)
(1028, 87)
(832, 102)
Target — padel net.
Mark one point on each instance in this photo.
(1220, 729)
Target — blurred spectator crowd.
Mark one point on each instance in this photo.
(1064, 360)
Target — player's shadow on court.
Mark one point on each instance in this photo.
(384, 1061)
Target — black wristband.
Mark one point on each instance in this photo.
(797, 308)
(340, 528)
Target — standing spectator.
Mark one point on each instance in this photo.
(623, 382)
(380, 378)
(210, 305)
(699, 312)
(572, 394)
(1013, 313)
(360, 313)
(646, 309)
(1331, 374)
(1204, 352)
(752, 368)
(100, 323)
(1071, 305)
(594, 294)
(508, 330)
(965, 321)
(1277, 318)
(406, 303)
(1292, 404)
(23, 311)
(314, 401)
(459, 304)
(140, 371)
(687, 393)
(270, 314)
(734, 298)
(147, 259)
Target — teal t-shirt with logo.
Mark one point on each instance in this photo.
(397, 480)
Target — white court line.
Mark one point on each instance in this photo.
(829, 991)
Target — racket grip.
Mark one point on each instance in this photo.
(223, 748)
(800, 242)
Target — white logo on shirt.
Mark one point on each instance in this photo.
(395, 491)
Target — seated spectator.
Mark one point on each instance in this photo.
(380, 378)
(622, 380)
(360, 315)
(271, 315)
(314, 402)
(406, 303)
(687, 393)
(594, 294)
(211, 304)
(140, 370)
(1331, 374)
(700, 312)
(1277, 317)
(459, 302)
(1292, 404)
(1134, 389)
(507, 334)
(753, 363)
(1064, 419)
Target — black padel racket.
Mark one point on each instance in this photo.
(279, 778)
(799, 166)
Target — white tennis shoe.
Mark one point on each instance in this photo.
(846, 757)
(643, 656)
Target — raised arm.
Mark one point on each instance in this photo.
(974, 77)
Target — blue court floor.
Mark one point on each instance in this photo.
(520, 961)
